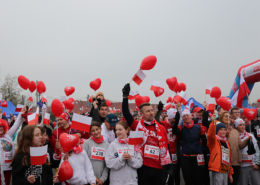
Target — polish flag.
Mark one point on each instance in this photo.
(37, 115)
(139, 77)
(44, 98)
(136, 108)
(191, 104)
(30, 97)
(136, 137)
(86, 114)
(155, 86)
(30, 109)
(81, 122)
(186, 99)
(237, 99)
(38, 155)
(19, 108)
(62, 99)
(46, 119)
(208, 89)
(31, 119)
(211, 105)
(132, 95)
(167, 106)
(180, 97)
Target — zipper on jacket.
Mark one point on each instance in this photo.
(214, 157)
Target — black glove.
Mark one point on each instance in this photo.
(251, 148)
(126, 90)
(177, 118)
(160, 106)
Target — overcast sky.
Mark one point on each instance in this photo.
(70, 43)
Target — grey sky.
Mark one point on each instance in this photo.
(70, 43)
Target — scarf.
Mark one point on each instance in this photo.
(77, 149)
(189, 126)
(122, 141)
(3, 135)
(164, 152)
(243, 135)
(98, 141)
(222, 139)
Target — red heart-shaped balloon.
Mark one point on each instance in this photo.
(171, 82)
(258, 100)
(23, 82)
(4, 114)
(68, 141)
(177, 88)
(32, 86)
(215, 92)
(69, 90)
(90, 99)
(57, 107)
(224, 103)
(159, 93)
(4, 104)
(69, 104)
(148, 62)
(139, 100)
(95, 84)
(108, 103)
(182, 87)
(41, 88)
(65, 171)
(169, 100)
(71, 99)
(250, 114)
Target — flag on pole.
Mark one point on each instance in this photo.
(180, 97)
(30, 98)
(136, 137)
(81, 122)
(155, 86)
(37, 115)
(19, 108)
(31, 119)
(38, 155)
(191, 104)
(211, 105)
(30, 109)
(139, 77)
(132, 95)
(44, 98)
(46, 119)
(208, 89)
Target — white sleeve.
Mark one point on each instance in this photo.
(16, 125)
(112, 161)
(89, 171)
(136, 161)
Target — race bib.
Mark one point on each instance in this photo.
(247, 158)
(98, 153)
(129, 149)
(8, 157)
(225, 156)
(258, 132)
(200, 159)
(174, 158)
(151, 151)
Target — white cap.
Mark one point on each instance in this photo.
(185, 112)
(171, 113)
(238, 121)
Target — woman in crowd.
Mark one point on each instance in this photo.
(121, 158)
(96, 148)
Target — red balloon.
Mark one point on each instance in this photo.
(41, 87)
(215, 92)
(117, 110)
(148, 62)
(32, 86)
(159, 93)
(71, 99)
(108, 103)
(177, 88)
(68, 141)
(172, 88)
(69, 90)
(258, 100)
(65, 171)
(169, 100)
(23, 82)
(90, 99)
(224, 103)
(171, 82)
(250, 114)
(4, 104)
(57, 107)
(182, 86)
(141, 99)
(54, 124)
(69, 104)
(95, 84)
(4, 114)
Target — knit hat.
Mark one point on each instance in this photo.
(4, 124)
(186, 112)
(171, 113)
(220, 126)
(100, 93)
(238, 121)
(64, 116)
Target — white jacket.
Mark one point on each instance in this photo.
(109, 135)
(122, 172)
(82, 169)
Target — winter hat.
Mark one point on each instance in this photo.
(4, 124)
(171, 113)
(197, 109)
(220, 126)
(186, 112)
(64, 116)
(100, 93)
(238, 121)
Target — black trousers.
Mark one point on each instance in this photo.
(149, 176)
(174, 175)
(193, 174)
(235, 175)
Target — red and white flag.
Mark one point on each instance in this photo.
(81, 122)
(31, 119)
(62, 99)
(30, 98)
(191, 104)
(46, 119)
(86, 114)
(237, 99)
(186, 100)
(136, 137)
(211, 105)
(208, 89)
(181, 97)
(19, 108)
(155, 86)
(30, 109)
(132, 95)
(44, 98)
(139, 77)
(38, 155)
(167, 106)
(37, 115)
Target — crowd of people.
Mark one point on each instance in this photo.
(217, 149)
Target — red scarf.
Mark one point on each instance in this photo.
(243, 135)
(122, 141)
(189, 126)
(98, 141)
(222, 139)
(77, 149)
